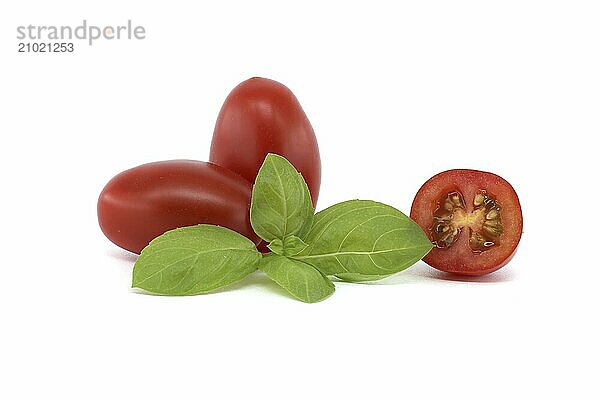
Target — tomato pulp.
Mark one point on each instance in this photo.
(146, 201)
(262, 116)
(473, 218)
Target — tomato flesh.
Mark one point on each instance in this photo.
(473, 218)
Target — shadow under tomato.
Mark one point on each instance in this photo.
(411, 275)
(502, 275)
(122, 255)
(421, 272)
(400, 278)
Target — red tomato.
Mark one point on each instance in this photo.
(144, 202)
(262, 116)
(473, 218)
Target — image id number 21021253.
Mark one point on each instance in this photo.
(45, 47)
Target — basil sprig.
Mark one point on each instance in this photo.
(356, 241)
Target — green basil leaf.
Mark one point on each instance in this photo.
(281, 204)
(301, 280)
(362, 237)
(276, 246)
(193, 260)
(290, 246)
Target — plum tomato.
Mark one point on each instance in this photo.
(144, 202)
(262, 116)
(473, 218)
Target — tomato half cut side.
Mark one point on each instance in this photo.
(473, 218)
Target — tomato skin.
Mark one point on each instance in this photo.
(460, 258)
(142, 203)
(262, 116)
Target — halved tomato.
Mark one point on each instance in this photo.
(473, 219)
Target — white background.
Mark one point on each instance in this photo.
(396, 92)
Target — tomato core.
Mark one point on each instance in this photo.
(451, 216)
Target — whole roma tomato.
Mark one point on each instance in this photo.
(473, 218)
(144, 202)
(262, 116)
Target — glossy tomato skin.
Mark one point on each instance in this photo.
(144, 202)
(262, 116)
(460, 258)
